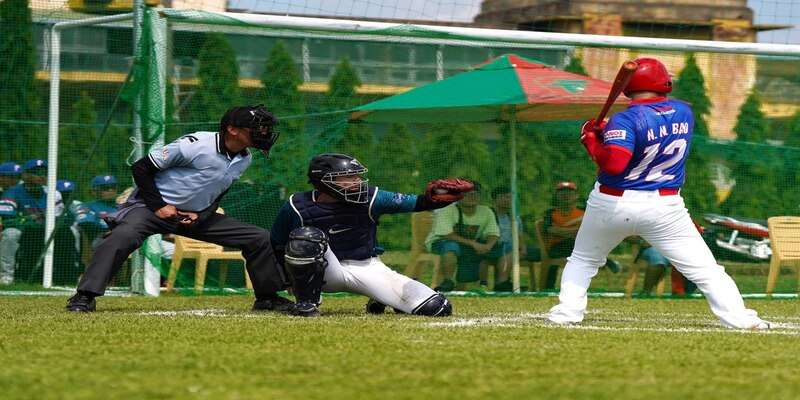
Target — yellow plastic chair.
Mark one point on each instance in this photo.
(784, 236)
(202, 252)
(546, 262)
(420, 257)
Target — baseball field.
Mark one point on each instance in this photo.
(213, 347)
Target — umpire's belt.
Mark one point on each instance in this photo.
(618, 192)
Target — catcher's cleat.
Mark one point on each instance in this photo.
(374, 307)
(305, 309)
(81, 303)
(274, 304)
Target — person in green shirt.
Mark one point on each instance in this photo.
(462, 232)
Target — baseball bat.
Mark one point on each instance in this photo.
(623, 77)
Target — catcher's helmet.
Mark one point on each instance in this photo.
(650, 75)
(258, 119)
(324, 169)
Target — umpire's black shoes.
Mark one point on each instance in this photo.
(276, 303)
(305, 309)
(80, 302)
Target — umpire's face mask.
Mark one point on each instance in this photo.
(264, 137)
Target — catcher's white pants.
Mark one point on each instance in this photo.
(374, 279)
(662, 221)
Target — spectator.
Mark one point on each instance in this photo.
(89, 217)
(22, 208)
(461, 234)
(500, 256)
(9, 175)
(561, 225)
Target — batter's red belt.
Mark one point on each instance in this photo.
(618, 192)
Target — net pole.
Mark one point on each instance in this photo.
(52, 131)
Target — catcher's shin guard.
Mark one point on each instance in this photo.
(305, 262)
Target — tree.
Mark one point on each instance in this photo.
(19, 97)
(698, 190)
(281, 95)
(219, 82)
(77, 140)
(281, 89)
(754, 165)
(575, 66)
(341, 96)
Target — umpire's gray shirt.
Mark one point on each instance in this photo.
(196, 169)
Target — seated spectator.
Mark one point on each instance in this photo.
(500, 256)
(561, 225)
(10, 173)
(22, 208)
(89, 216)
(462, 232)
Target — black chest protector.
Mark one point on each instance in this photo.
(351, 231)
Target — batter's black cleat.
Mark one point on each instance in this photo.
(81, 303)
(305, 309)
(276, 303)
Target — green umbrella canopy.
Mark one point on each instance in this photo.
(506, 87)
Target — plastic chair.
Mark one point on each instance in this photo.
(546, 262)
(784, 236)
(634, 274)
(202, 252)
(421, 224)
(559, 262)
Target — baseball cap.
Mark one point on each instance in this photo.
(10, 168)
(36, 162)
(566, 185)
(63, 185)
(103, 180)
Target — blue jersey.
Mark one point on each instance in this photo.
(344, 223)
(657, 133)
(93, 213)
(18, 204)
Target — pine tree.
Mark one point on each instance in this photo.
(341, 96)
(19, 97)
(754, 167)
(698, 190)
(219, 82)
(281, 92)
(575, 66)
(281, 95)
(77, 140)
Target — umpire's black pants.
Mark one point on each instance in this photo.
(140, 223)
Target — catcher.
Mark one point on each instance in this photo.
(326, 239)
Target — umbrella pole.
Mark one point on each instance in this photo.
(514, 205)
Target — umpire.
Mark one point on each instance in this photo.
(178, 191)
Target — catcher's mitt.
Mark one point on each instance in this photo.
(448, 190)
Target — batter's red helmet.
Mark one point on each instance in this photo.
(651, 75)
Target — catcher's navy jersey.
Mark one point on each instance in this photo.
(382, 203)
(657, 132)
(196, 169)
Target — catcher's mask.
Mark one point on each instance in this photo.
(260, 121)
(324, 169)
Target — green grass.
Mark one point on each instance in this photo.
(212, 347)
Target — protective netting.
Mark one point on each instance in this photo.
(191, 66)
